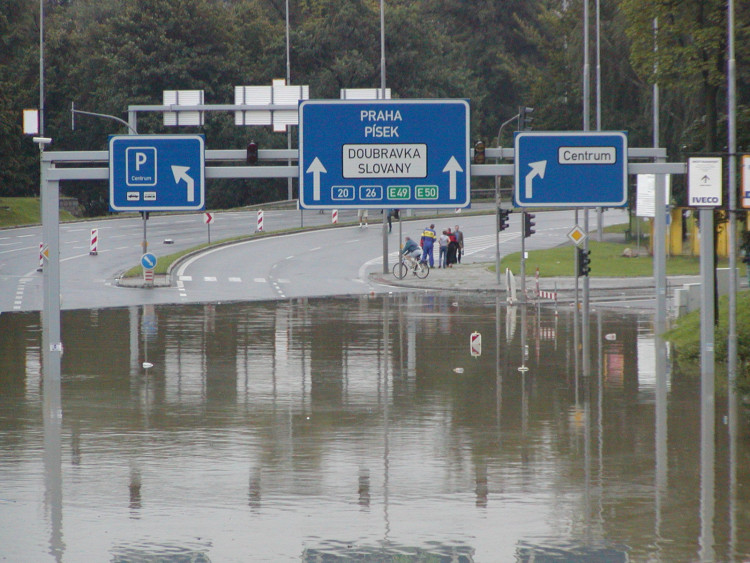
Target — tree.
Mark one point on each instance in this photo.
(19, 87)
(687, 53)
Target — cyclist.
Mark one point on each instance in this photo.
(411, 249)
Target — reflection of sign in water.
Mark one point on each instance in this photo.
(149, 324)
(526, 552)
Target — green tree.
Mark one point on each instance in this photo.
(686, 54)
(19, 90)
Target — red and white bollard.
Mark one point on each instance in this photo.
(41, 257)
(335, 216)
(94, 247)
(259, 229)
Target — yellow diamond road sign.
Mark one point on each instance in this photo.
(577, 235)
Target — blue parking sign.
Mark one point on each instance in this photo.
(157, 173)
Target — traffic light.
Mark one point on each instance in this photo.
(524, 119)
(584, 259)
(479, 157)
(528, 224)
(252, 152)
(503, 216)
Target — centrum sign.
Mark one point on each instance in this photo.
(571, 168)
(384, 153)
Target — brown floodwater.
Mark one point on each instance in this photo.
(410, 427)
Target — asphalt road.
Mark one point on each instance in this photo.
(302, 264)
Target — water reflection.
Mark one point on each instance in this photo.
(338, 429)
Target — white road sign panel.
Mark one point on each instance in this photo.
(704, 181)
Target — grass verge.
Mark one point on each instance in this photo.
(17, 211)
(607, 260)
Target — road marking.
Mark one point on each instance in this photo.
(209, 278)
(235, 280)
(186, 278)
(260, 280)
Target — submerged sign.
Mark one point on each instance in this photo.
(384, 153)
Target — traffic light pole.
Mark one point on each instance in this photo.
(523, 259)
(585, 324)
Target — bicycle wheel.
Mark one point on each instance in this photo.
(400, 270)
(422, 270)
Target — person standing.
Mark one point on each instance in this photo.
(392, 214)
(452, 251)
(460, 240)
(362, 216)
(442, 255)
(427, 243)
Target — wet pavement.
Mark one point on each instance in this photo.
(480, 277)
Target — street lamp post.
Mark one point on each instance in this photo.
(288, 82)
(382, 87)
(497, 198)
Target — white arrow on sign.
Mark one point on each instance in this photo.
(452, 168)
(180, 173)
(537, 169)
(317, 168)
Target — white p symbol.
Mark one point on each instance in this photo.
(140, 160)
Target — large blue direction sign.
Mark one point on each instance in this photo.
(572, 169)
(384, 154)
(156, 172)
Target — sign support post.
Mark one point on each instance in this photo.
(704, 191)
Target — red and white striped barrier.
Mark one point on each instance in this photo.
(335, 216)
(259, 228)
(94, 246)
(541, 294)
(475, 344)
(148, 276)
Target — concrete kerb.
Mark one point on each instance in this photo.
(479, 277)
(165, 280)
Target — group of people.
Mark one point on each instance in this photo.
(450, 245)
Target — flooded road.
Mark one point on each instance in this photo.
(410, 427)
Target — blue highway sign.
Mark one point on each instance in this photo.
(384, 154)
(571, 169)
(156, 172)
(148, 261)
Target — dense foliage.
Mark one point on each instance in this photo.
(105, 55)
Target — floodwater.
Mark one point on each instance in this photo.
(367, 429)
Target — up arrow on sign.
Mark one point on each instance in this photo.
(452, 168)
(316, 168)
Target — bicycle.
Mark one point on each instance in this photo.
(402, 267)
